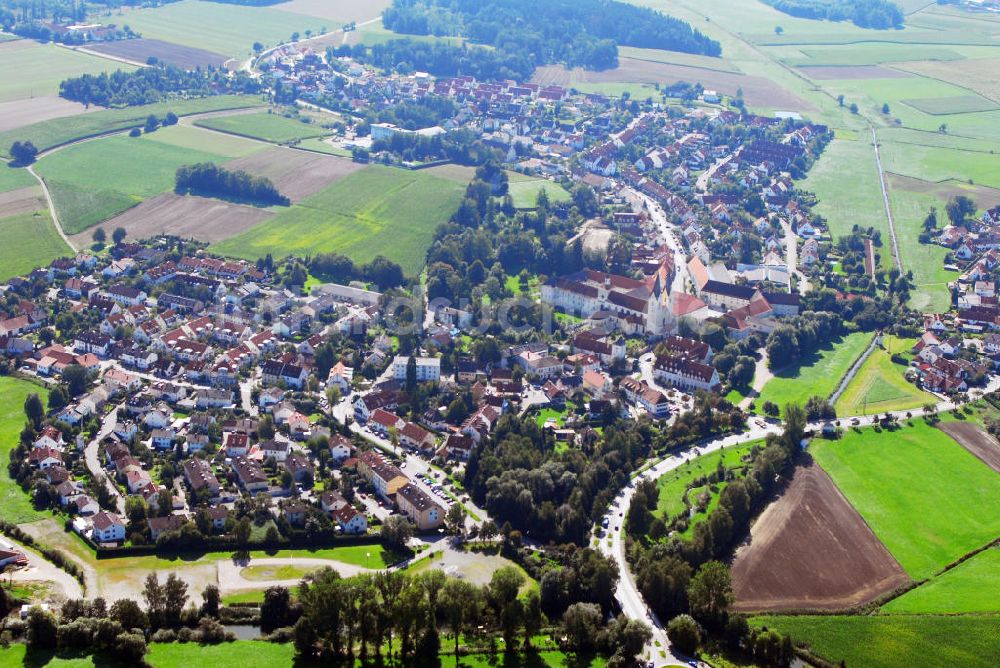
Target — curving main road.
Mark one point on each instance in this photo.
(612, 541)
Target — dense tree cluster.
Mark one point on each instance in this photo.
(338, 268)
(23, 152)
(879, 14)
(205, 178)
(539, 29)
(422, 113)
(447, 60)
(152, 84)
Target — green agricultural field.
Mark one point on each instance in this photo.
(131, 169)
(13, 178)
(47, 134)
(524, 190)
(30, 241)
(845, 179)
(961, 104)
(29, 69)
(265, 126)
(817, 375)
(880, 385)
(868, 53)
(970, 587)
(674, 483)
(226, 29)
(376, 211)
(895, 641)
(927, 499)
(16, 505)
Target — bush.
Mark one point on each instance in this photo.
(684, 633)
(164, 635)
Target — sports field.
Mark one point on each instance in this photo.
(223, 28)
(524, 190)
(131, 170)
(926, 498)
(880, 385)
(46, 134)
(895, 641)
(265, 126)
(376, 211)
(970, 587)
(15, 502)
(29, 69)
(816, 375)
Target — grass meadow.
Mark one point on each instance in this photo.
(260, 654)
(13, 178)
(845, 179)
(816, 375)
(265, 126)
(16, 505)
(927, 499)
(30, 240)
(926, 261)
(376, 211)
(880, 385)
(132, 169)
(895, 641)
(47, 134)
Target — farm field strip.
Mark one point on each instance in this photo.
(225, 29)
(378, 210)
(56, 132)
(29, 69)
(927, 498)
(133, 169)
(264, 126)
(141, 50)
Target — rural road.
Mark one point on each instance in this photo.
(885, 201)
(91, 457)
(52, 208)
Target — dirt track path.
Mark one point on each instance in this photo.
(52, 209)
(885, 200)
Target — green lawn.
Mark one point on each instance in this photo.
(524, 190)
(673, 484)
(132, 169)
(266, 126)
(376, 211)
(816, 375)
(29, 69)
(227, 29)
(365, 556)
(927, 499)
(970, 587)
(16, 505)
(30, 241)
(47, 134)
(880, 385)
(895, 641)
